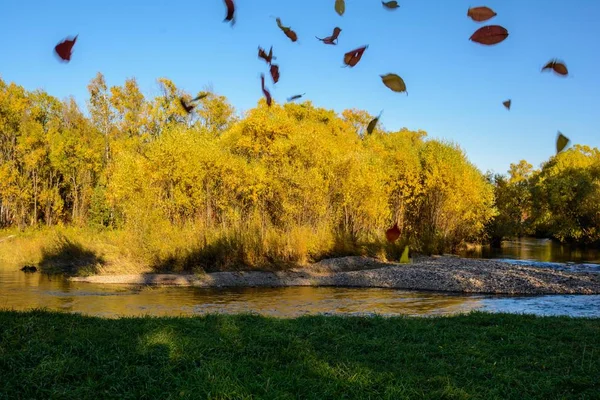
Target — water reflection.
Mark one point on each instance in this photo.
(22, 292)
(545, 250)
(25, 291)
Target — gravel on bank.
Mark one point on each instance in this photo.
(448, 274)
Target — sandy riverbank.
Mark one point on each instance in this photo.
(424, 273)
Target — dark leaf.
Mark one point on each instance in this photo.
(65, 48)
(331, 39)
(230, 12)
(264, 90)
(489, 35)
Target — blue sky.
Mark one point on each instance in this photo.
(455, 87)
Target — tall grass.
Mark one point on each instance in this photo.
(160, 246)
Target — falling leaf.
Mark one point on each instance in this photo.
(230, 12)
(557, 66)
(340, 7)
(275, 73)
(393, 233)
(489, 35)
(65, 48)
(287, 30)
(373, 123)
(394, 82)
(187, 107)
(507, 104)
(561, 142)
(200, 96)
(390, 5)
(480, 14)
(404, 258)
(267, 57)
(295, 97)
(264, 90)
(331, 39)
(352, 57)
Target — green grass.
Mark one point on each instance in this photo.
(46, 355)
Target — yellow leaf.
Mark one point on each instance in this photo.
(561, 142)
(390, 4)
(394, 82)
(404, 258)
(340, 6)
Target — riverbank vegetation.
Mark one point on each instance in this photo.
(476, 356)
(560, 200)
(137, 183)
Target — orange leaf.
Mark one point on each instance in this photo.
(481, 14)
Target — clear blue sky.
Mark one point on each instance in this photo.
(455, 87)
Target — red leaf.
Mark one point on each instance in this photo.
(267, 57)
(291, 34)
(489, 35)
(352, 57)
(65, 48)
(393, 233)
(331, 39)
(264, 90)
(275, 73)
(230, 11)
(557, 66)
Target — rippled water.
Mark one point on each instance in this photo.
(25, 291)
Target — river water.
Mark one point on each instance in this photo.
(22, 291)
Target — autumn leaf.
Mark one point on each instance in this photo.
(480, 14)
(561, 142)
(187, 107)
(65, 48)
(274, 73)
(230, 12)
(352, 57)
(373, 123)
(390, 5)
(340, 7)
(331, 39)
(267, 57)
(489, 35)
(295, 97)
(264, 90)
(393, 233)
(557, 66)
(507, 104)
(404, 258)
(200, 96)
(287, 30)
(394, 82)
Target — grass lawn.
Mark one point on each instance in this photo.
(46, 355)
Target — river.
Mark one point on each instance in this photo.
(22, 291)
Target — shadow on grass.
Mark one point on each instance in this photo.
(70, 258)
(462, 357)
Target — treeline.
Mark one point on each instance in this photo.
(290, 182)
(560, 200)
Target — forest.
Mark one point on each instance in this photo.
(290, 183)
